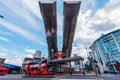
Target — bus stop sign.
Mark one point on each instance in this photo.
(59, 54)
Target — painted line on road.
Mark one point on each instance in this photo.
(81, 79)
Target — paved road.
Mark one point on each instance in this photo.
(58, 77)
(110, 77)
(19, 77)
(63, 77)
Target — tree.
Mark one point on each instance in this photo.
(88, 67)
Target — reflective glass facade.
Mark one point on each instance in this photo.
(106, 49)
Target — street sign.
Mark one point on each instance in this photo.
(59, 54)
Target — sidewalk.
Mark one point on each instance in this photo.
(79, 77)
(108, 75)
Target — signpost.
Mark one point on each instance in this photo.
(60, 54)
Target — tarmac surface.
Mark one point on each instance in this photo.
(19, 77)
(61, 77)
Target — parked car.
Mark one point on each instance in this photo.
(106, 71)
(110, 71)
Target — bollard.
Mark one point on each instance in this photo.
(92, 73)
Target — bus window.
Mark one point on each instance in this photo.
(44, 61)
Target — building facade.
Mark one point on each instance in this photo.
(2, 61)
(38, 54)
(106, 50)
(77, 64)
(36, 57)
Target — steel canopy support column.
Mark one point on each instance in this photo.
(70, 69)
(60, 69)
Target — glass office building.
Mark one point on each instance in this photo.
(106, 50)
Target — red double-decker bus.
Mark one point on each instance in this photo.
(117, 66)
(45, 67)
(3, 70)
(36, 68)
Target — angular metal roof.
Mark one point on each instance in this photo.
(12, 66)
(67, 59)
(48, 11)
(71, 10)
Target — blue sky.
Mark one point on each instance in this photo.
(22, 30)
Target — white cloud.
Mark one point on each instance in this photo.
(2, 48)
(59, 24)
(6, 33)
(29, 56)
(107, 17)
(17, 29)
(87, 4)
(3, 55)
(90, 26)
(33, 6)
(16, 60)
(28, 10)
(80, 51)
(31, 51)
(4, 39)
(12, 56)
(16, 57)
(17, 7)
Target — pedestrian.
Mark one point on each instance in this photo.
(99, 72)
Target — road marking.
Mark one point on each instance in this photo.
(80, 79)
